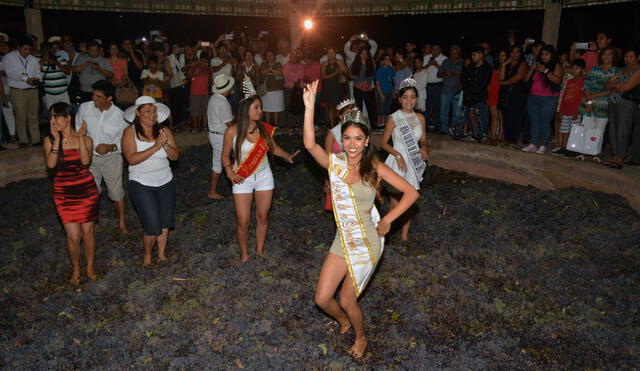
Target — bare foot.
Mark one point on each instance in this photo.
(260, 252)
(123, 228)
(344, 327)
(215, 196)
(244, 258)
(147, 261)
(91, 275)
(75, 279)
(358, 348)
(404, 237)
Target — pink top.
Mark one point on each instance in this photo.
(293, 72)
(590, 59)
(540, 87)
(118, 67)
(313, 72)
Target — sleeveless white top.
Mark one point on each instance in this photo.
(245, 149)
(398, 145)
(155, 170)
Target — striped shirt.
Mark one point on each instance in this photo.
(53, 78)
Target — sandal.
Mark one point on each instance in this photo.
(580, 157)
(614, 165)
(596, 159)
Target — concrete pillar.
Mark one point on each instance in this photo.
(295, 30)
(33, 21)
(551, 22)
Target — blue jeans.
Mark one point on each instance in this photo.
(541, 110)
(449, 103)
(433, 103)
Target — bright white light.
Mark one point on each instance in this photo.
(308, 24)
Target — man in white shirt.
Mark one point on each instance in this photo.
(219, 116)
(432, 64)
(220, 65)
(23, 76)
(105, 125)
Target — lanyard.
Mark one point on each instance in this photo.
(25, 64)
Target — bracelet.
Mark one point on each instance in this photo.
(55, 151)
(589, 102)
(398, 156)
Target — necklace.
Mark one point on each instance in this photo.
(354, 166)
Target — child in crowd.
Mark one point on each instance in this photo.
(570, 101)
(384, 88)
(200, 75)
(153, 79)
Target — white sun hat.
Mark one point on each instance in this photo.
(163, 110)
(222, 83)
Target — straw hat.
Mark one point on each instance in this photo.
(222, 83)
(163, 110)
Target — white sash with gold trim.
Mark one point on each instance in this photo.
(410, 142)
(355, 242)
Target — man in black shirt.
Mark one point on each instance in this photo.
(475, 81)
(135, 62)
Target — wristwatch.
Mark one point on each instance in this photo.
(589, 102)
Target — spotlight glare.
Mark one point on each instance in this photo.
(308, 24)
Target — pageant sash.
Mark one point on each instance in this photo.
(410, 143)
(355, 242)
(253, 159)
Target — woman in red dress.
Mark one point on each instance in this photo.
(74, 190)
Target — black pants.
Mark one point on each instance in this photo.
(369, 99)
(179, 101)
(514, 115)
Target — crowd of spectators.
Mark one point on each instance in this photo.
(522, 94)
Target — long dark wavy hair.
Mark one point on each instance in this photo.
(368, 172)
(138, 126)
(242, 124)
(61, 109)
(357, 63)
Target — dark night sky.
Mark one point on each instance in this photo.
(577, 24)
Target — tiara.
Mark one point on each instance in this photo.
(408, 82)
(355, 115)
(345, 103)
(247, 88)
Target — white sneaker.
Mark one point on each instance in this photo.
(542, 150)
(530, 148)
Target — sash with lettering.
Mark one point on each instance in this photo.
(410, 142)
(355, 243)
(253, 159)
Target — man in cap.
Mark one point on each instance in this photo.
(220, 117)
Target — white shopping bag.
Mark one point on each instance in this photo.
(587, 136)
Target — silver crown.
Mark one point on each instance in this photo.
(408, 82)
(247, 88)
(355, 115)
(345, 103)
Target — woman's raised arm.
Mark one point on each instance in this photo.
(308, 133)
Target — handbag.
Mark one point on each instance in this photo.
(586, 137)
(296, 104)
(126, 95)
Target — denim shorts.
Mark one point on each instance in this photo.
(156, 206)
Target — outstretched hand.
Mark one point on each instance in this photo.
(292, 156)
(309, 94)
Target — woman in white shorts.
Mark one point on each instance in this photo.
(250, 171)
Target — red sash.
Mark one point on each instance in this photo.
(254, 158)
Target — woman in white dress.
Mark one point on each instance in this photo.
(409, 151)
(420, 75)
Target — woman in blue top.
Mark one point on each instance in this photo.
(384, 88)
(363, 73)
